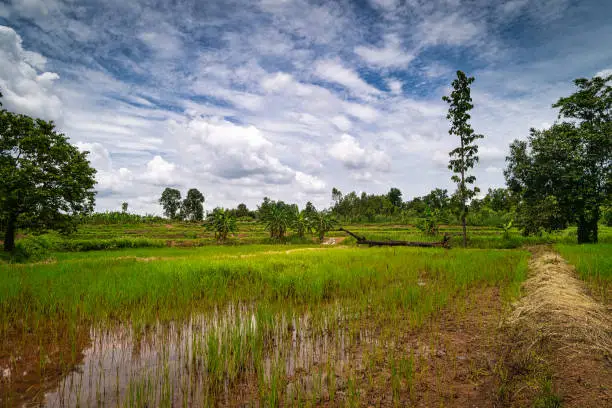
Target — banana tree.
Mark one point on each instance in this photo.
(301, 223)
(222, 223)
(323, 222)
(276, 220)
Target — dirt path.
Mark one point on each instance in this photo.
(558, 345)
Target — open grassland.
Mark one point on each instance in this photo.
(593, 264)
(217, 325)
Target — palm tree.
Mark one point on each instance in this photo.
(323, 222)
(222, 222)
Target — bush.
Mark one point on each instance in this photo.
(31, 249)
(81, 245)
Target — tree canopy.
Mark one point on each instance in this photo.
(193, 206)
(45, 179)
(563, 174)
(171, 202)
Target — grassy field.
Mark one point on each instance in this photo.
(159, 235)
(281, 324)
(594, 264)
(330, 292)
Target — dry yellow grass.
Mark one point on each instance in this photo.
(557, 307)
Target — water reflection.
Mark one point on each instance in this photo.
(231, 356)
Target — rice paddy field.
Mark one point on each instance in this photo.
(168, 318)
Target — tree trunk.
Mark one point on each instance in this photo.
(463, 223)
(9, 235)
(463, 195)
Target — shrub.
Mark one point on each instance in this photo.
(31, 249)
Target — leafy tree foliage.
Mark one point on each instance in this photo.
(464, 157)
(171, 202)
(564, 174)
(124, 207)
(193, 206)
(429, 223)
(437, 199)
(366, 207)
(222, 222)
(45, 179)
(310, 210)
(336, 195)
(242, 210)
(395, 197)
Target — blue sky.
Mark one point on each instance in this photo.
(289, 98)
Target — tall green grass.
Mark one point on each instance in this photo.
(594, 265)
(329, 293)
(117, 287)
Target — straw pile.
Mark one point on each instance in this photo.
(556, 308)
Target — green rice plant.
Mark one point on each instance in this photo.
(593, 262)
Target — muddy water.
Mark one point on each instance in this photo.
(232, 356)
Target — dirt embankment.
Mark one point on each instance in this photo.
(558, 341)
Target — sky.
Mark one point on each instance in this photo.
(290, 98)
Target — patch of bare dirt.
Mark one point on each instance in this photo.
(558, 334)
(147, 258)
(454, 359)
(333, 240)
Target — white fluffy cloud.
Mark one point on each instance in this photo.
(108, 179)
(355, 157)
(161, 172)
(24, 84)
(287, 98)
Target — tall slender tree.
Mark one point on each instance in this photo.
(465, 156)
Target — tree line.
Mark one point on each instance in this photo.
(556, 177)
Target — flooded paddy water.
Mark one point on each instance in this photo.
(233, 355)
(242, 355)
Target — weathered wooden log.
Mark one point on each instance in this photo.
(445, 243)
(357, 237)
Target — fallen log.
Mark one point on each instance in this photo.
(445, 243)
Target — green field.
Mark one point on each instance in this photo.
(159, 235)
(294, 323)
(593, 264)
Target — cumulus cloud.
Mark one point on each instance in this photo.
(353, 156)
(161, 172)
(108, 179)
(26, 88)
(287, 98)
(310, 184)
